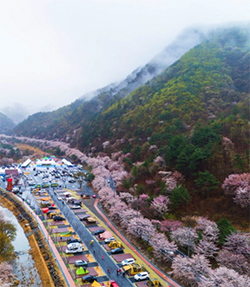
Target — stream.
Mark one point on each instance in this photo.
(23, 266)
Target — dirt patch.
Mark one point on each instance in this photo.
(46, 265)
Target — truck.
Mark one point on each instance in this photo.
(133, 269)
(115, 244)
(74, 247)
(154, 283)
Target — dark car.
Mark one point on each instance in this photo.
(71, 240)
(99, 231)
(117, 250)
(81, 263)
(88, 278)
(52, 207)
(58, 218)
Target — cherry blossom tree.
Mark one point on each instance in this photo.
(222, 277)
(237, 262)
(127, 215)
(209, 237)
(185, 236)
(6, 275)
(115, 213)
(233, 181)
(127, 198)
(159, 205)
(242, 196)
(163, 249)
(98, 183)
(142, 200)
(170, 225)
(238, 243)
(105, 194)
(188, 271)
(141, 228)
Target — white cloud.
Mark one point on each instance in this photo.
(53, 51)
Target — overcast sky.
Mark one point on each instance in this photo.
(54, 51)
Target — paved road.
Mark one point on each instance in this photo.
(85, 235)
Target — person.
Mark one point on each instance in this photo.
(102, 257)
(108, 270)
(91, 242)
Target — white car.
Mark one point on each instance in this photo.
(128, 261)
(141, 276)
(107, 240)
(74, 247)
(75, 207)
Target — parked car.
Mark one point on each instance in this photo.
(71, 180)
(45, 185)
(99, 231)
(71, 240)
(128, 261)
(81, 263)
(88, 278)
(117, 250)
(75, 207)
(107, 240)
(15, 189)
(113, 283)
(74, 247)
(52, 207)
(141, 276)
(58, 218)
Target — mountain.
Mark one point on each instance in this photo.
(205, 91)
(187, 113)
(6, 124)
(63, 123)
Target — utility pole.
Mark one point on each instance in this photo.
(189, 241)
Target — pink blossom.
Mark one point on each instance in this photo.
(143, 199)
(238, 243)
(233, 181)
(234, 261)
(224, 277)
(163, 249)
(170, 225)
(141, 228)
(127, 198)
(187, 270)
(184, 236)
(6, 274)
(159, 205)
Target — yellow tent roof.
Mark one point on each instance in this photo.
(96, 284)
(46, 198)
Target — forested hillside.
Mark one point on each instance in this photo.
(6, 124)
(205, 94)
(64, 123)
(194, 116)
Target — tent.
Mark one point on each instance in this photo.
(81, 271)
(65, 234)
(106, 235)
(45, 198)
(96, 284)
